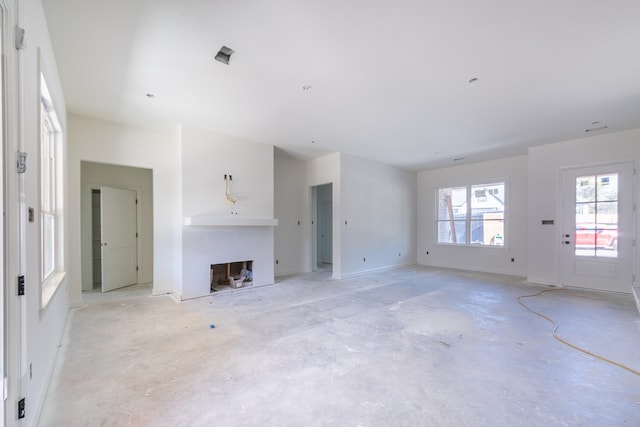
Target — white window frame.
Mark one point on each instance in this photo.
(52, 269)
(468, 219)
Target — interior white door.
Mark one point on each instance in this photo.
(598, 227)
(118, 241)
(326, 233)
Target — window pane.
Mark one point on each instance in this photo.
(487, 198)
(586, 189)
(585, 213)
(488, 232)
(487, 214)
(607, 187)
(607, 212)
(452, 203)
(452, 232)
(48, 245)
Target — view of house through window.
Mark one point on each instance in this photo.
(50, 193)
(597, 215)
(472, 215)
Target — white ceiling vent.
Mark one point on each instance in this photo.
(224, 54)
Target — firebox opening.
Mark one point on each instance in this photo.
(231, 275)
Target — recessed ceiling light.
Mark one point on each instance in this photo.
(224, 54)
(473, 79)
(596, 129)
(306, 88)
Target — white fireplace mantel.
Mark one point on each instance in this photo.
(229, 221)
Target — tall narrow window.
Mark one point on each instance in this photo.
(50, 195)
(472, 215)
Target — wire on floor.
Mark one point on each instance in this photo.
(565, 342)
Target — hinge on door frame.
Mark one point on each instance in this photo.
(5, 388)
(22, 411)
(136, 268)
(20, 285)
(19, 38)
(21, 162)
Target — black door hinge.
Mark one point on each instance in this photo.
(20, 285)
(22, 412)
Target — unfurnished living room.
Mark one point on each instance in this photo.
(312, 213)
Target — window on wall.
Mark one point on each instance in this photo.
(473, 214)
(51, 224)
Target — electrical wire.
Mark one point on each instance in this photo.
(565, 342)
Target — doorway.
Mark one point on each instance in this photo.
(323, 235)
(130, 184)
(598, 230)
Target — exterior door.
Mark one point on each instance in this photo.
(118, 238)
(598, 227)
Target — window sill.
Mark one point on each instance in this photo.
(50, 287)
(464, 245)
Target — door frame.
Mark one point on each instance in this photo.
(85, 226)
(565, 205)
(313, 229)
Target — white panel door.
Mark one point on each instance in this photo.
(119, 227)
(598, 231)
(325, 228)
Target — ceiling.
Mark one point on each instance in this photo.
(390, 81)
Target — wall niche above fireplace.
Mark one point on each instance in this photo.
(231, 275)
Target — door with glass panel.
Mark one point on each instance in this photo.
(597, 234)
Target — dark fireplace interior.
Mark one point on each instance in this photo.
(231, 275)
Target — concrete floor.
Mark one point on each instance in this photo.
(408, 347)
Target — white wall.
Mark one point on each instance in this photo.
(138, 179)
(206, 158)
(545, 193)
(289, 191)
(487, 259)
(378, 216)
(105, 142)
(34, 332)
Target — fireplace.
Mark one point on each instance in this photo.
(230, 275)
(204, 245)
